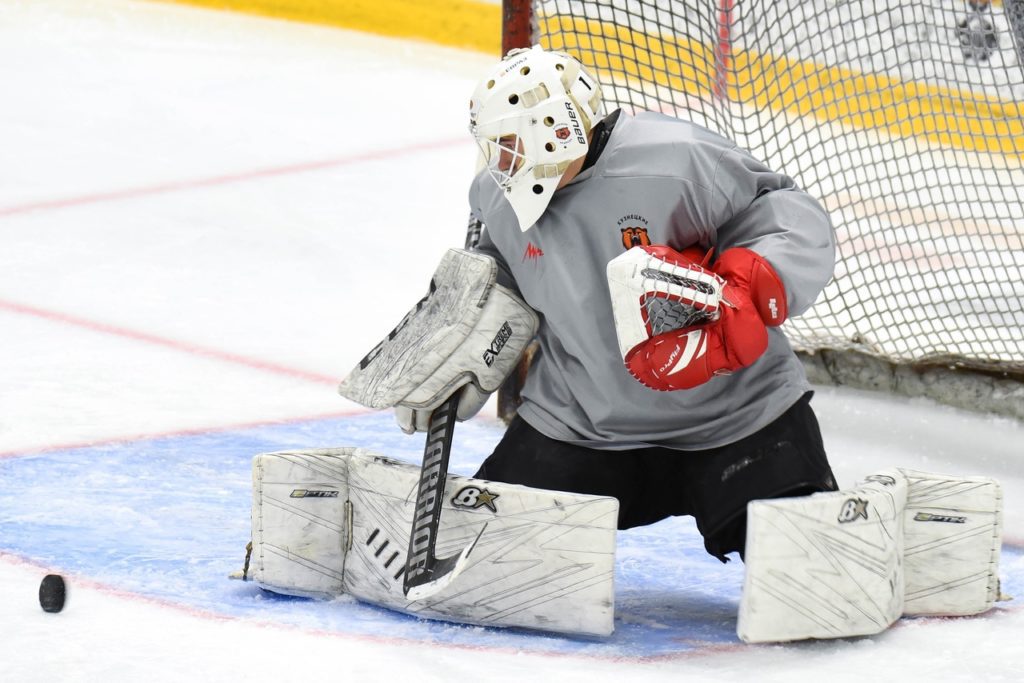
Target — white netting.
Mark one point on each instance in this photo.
(666, 315)
(906, 119)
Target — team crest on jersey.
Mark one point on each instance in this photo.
(634, 231)
(635, 237)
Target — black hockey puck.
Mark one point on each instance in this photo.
(52, 592)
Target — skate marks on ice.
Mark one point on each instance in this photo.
(168, 519)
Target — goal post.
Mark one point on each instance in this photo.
(905, 118)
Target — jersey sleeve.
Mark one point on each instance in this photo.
(764, 211)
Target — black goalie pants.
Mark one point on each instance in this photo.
(785, 458)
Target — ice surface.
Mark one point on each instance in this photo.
(205, 220)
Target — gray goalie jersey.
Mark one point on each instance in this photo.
(658, 180)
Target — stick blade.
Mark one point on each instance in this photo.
(437, 577)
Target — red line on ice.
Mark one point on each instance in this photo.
(701, 649)
(177, 345)
(74, 580)
(110, 441)
(226, 179)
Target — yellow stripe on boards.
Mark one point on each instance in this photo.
(959, 119)
(455, 23)
(678, 63)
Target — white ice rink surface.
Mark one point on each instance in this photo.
(205, 220)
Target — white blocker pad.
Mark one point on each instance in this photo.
(827, 565)
(333, 521)
(951, 544)
(467, 329)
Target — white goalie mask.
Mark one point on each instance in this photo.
(531, 116)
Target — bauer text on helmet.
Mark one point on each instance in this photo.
(531, 116)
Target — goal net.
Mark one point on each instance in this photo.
(904, 118)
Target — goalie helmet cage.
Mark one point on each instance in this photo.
(905, 118)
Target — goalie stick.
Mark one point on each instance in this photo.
(425, 573)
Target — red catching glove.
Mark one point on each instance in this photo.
(751, 299)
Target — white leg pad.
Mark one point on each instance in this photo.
(952, 541)
(824, 566)
(298, 516)
(544, 561)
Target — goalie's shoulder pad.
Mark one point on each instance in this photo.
(466, 329)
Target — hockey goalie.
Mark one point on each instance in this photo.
(334, 521)
(654, 262)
